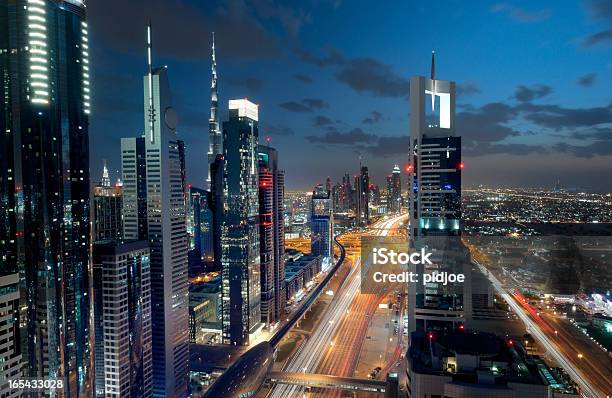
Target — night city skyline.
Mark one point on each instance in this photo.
(533, 111)
(314, 199)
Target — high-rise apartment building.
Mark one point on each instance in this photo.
(435, 205)
(240, 255)
(107, 207)
(167, 236)
(272, 235)
(44, 188)
(322, 223)
(122, 319)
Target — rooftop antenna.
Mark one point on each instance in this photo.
(433, 80)
(150, 76)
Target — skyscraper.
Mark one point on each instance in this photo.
(362, 200)
(134, 174)
(394, 190)
(44, 183)
(107, 207)
(322, 223)
(167, 233)
(202, 223)
(122, 319)
(241, 283)
(435, 205)
(272, 232)
(214, 136)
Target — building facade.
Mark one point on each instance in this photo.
(44, 184)
(201, 223)
(240, 254)
(394, 190)
(122, 319)
(435, 206)
(272, 218)
(167, 236)
(322, 223)
(134, 190)
(107, 207)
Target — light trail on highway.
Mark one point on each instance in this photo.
(542, 338)
(311, 354)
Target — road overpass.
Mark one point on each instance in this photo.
(335, 382)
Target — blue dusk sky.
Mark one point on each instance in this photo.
(534, 79)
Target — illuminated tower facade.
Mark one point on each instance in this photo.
(240, 254)
(322, 223)
(435, 205)
(271, 234)
(215, 146)
(394, 190)
(45, 186)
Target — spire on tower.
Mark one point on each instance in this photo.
(150, 75)
(105, 178)
(433, 65)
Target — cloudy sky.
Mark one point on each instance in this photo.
(331, 78)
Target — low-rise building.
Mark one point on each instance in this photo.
(205, 311)
(464, 364)
(300, 270)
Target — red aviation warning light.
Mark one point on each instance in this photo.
(461, 326)
(461, 166)
(408, 168)
(430, 335)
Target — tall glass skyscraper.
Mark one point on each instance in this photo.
(272, 234)
(241, 284)
(322, 223)
(44, 77)
(435, 206)
(164, 173)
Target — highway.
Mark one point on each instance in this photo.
(333, 347)
(561, 352)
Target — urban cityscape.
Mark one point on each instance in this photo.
(237, 256)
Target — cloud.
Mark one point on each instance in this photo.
(467, 88)
(389, 146)
(502, 148)
(321, 121)
(597, 148)
(277, 130)
(373, 117)
(558, 118)
(486, 124)
(520, 14)
(600, 9)
(333, 57)
(252, 84)
(334, 137)
(587, 80)
(313, 103)
(305, 105)
(182, 29)
(303, 78)
(603, 37)
(371, 75)
(293, 106)
(526, 94)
